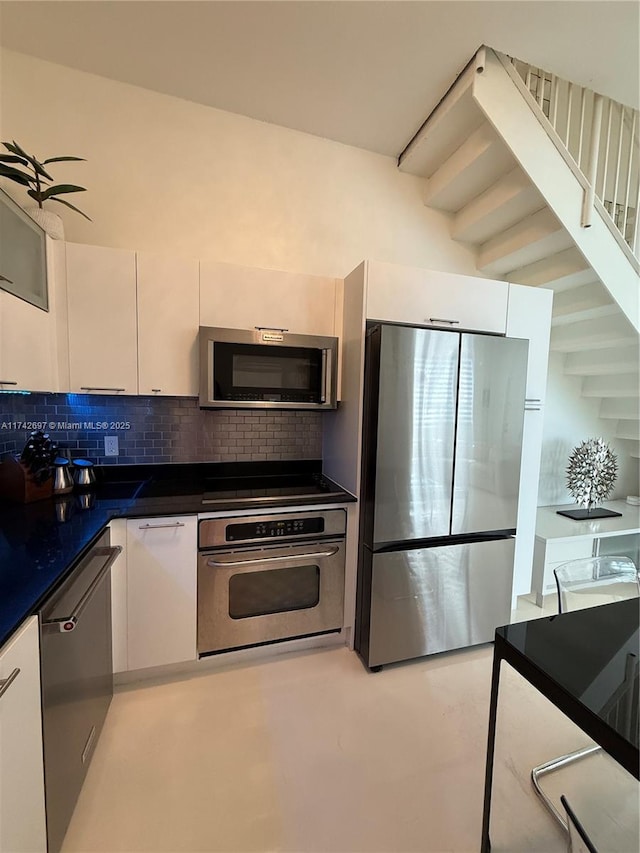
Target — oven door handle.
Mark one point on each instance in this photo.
(68, 623)
(225, 565)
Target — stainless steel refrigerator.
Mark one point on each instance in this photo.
(443, 420)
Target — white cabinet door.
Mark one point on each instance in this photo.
(101, 294)
(168, 319)
(529, 316)
(28, 359)
(118, 534)
(27, 346)
(236, 297)
(428, 298)
(161, 590)
(527, 502)
(22, 820)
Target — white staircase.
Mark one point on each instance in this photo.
(516, 195)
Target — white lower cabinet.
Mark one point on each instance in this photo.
(161, 590)
(118, 534)
(22, 815)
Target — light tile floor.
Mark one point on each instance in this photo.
(310, 752)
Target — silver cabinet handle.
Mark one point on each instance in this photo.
(4, 278)
(95, 388)
(7, 382)
(533, 408)
(532, 400)
(68, 623)
(6, 683)
(158, 526)
(88, 744)
(219, 565)
(443, 320)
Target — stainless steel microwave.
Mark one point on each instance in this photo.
(266, 369)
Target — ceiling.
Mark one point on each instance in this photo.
(363, 73)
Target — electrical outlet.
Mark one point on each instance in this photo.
(111, 445)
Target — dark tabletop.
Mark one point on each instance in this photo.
(580, 657)
(40, 542)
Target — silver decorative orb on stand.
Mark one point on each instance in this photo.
(591, 473)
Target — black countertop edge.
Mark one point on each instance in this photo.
(38, 548)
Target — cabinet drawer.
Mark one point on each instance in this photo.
(561, 552)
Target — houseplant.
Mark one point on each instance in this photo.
(39, 183)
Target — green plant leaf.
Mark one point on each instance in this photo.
(35, 195)
(61, 159)
(73, 207)
(61, 188)
(38, 168)
(15, 175)
(15, 149)
(11, 158)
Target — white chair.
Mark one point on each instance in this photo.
(588, 583)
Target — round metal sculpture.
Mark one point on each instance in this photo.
(591, 473)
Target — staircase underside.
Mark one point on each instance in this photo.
(500, 205)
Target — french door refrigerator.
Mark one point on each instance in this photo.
(442, 435)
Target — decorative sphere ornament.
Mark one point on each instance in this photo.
(591, 472)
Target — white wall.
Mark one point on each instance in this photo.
(169, 175)
(568, 420)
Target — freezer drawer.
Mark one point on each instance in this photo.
(432, 600)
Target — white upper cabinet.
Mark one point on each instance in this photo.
(28, 359)
(236, 297)
(101, 298)
(529, 317)
(427, 298)
(168, 319)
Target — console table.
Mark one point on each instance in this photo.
(559, 539)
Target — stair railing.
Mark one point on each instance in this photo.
(602, 137)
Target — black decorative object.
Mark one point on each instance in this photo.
(586, 514)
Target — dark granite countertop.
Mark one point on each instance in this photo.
(40, 542)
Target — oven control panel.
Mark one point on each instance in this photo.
(273, 528)
(270, 527)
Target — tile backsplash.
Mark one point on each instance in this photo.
(158, 429)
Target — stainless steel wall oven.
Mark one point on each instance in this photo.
(266, 578)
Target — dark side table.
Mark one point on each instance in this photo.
(578, 661)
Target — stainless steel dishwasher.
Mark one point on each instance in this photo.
(77, 680)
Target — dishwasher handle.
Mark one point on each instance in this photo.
(231, 563)
(68, 623)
